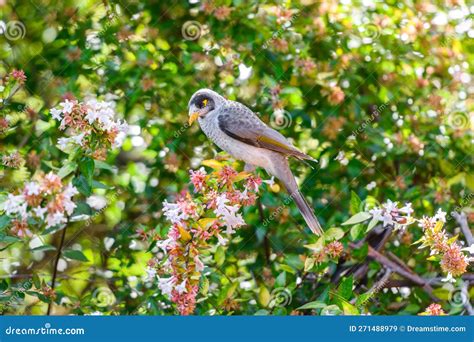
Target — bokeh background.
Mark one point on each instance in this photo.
(380, 92)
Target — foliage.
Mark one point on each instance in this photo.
(94, 135)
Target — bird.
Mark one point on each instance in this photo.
(236, 129)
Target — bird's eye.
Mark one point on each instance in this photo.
(204, 103)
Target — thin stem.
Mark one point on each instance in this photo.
(55, 270)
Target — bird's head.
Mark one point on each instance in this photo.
(203, 102)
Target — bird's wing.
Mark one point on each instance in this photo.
(240, 123)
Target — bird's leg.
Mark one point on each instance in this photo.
(249, 167)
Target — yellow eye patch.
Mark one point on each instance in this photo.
(204, 102)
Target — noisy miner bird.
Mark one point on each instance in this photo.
(238, 131)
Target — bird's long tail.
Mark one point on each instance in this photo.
(286, 176)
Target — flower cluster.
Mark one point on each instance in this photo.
(332, 250)
(46, 199)
(390, 214)
(433, 310)
(91, 126)
(211, 213)
(453, 260)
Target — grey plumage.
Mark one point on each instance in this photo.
(237, 130)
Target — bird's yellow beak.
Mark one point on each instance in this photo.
(193, 118)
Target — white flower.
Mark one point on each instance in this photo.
(69, 206)
(270, 181)
(165, 244)
(390, 206)
(55, 219)
(150, 273)
(32, 188)
(181, 288)
(228, 213)
(67, 106)
(407, 209)
(387, 219)
(78, 138)
(96, 202)
(15, 204)
(56, 114)
(222, 241)
(469, 249)
(449, 279)
(39, 212)
(245, 285)
(371, 186)
(173, 212)
(376, 214)
(440, 215)
(70, 191)
(63, 142)
(166, 285)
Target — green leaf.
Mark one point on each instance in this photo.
(43, 248)
(355, 203)
(357, 218)
(345, 288)
(333, 234)
(75, 255)
(104, 166)
(348, 308)
(356, 231)
(82, 185)
(86, 166)
(4, 221)
(313, 305)
(372, 224)
(67, 169)
(99, 185)
(264, 296)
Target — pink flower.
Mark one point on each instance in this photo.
(19, 76)
(198, 178)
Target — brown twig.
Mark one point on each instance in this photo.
(461, 219)
(266, 242)
(55, 270)
(402, 271)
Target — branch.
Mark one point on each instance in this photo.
(402, 271)
(55, 270)
(461, 219)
